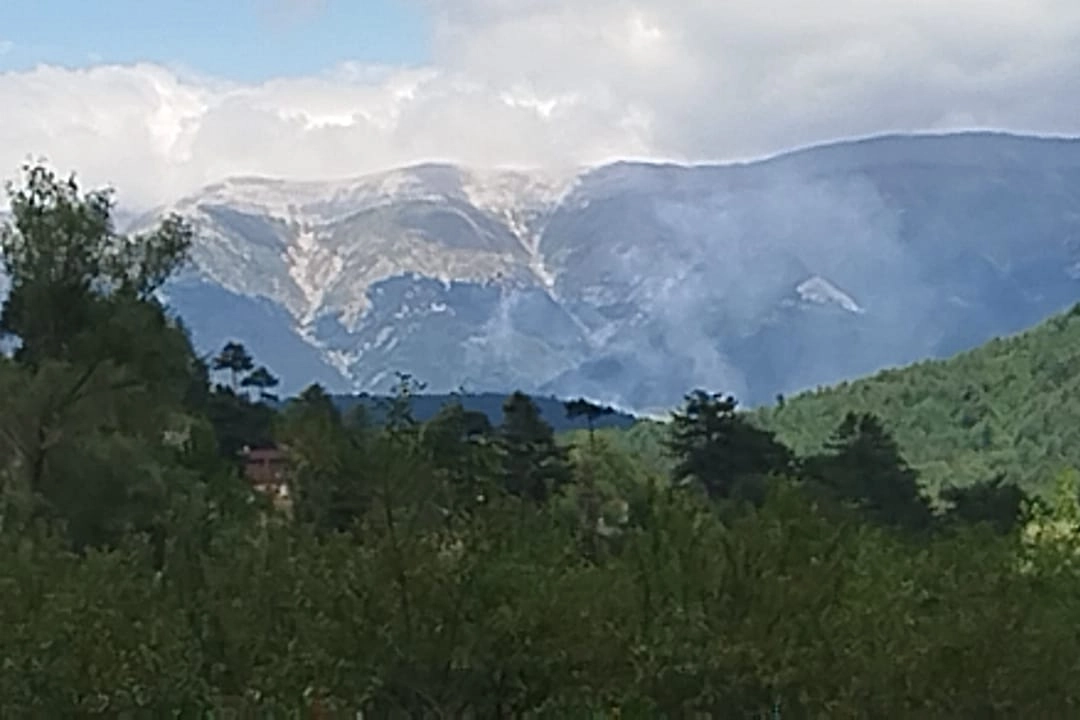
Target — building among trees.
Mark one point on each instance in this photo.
(267, 470)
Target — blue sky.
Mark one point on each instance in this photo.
(242, 40)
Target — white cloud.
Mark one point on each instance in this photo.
(542, 82)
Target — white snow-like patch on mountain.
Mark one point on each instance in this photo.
(314, 201)
(501, 190)
(313, 268)
(317, 277)
(518, 198)
(820, 291)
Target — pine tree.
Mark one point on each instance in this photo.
(235, 359)
(262, 381)
(715, 446)
(590, 494)
(534, 466)
(324, 454)
(590, 411)
(998, 503)
(457, 444)
(863, 467)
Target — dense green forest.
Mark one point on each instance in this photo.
(1004, 412)
(1007, 409)
(460, 567)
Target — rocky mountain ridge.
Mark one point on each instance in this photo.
(634, 282)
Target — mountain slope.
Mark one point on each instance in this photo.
(631, 283)
(1011, 406)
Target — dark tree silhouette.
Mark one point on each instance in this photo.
(717, 447)
(327, 456)
(863, 467)
(590, 411)
(262, 381)
(534, 466)
(234, 359)
(590, 497)
(997, 503)
(456, 441)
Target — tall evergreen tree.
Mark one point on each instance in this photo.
(590, 496)
(458, 445)
(240, 421)
(863, 466)
(590, 411)
(234, 359)
(534, 466)
(325, 456)
(717, 447)
(262, 381)
(998, 503)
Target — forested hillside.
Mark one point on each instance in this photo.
(466, 566)
(1009, 408)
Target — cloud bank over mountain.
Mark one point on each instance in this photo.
(562, 84)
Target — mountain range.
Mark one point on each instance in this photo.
(633, 282)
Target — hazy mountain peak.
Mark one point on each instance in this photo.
(324, 201)
(634, 282)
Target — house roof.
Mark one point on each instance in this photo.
(262, 453)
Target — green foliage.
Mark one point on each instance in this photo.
(235, 360)
(588, 410)
(687, 615)
(68, 267)
(103, 375)
(87, 447)
(534, 466)
(425, 405)
(263, 381)
(330, 490)
(460, 446)
(1051, 533)
(1006, 409)
(862, 466)
(998, 503)
(449, 568)
(717, 448)
(239, 421)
